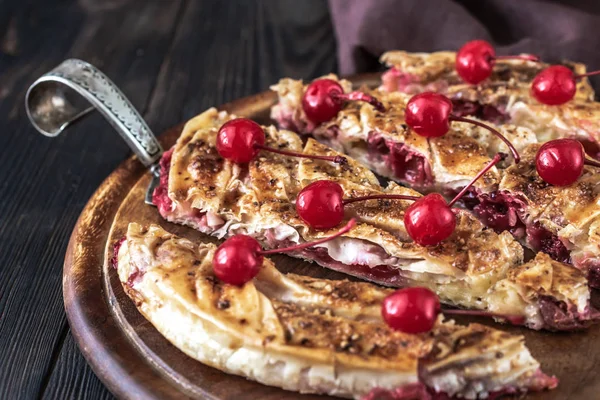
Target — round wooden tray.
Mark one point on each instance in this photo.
(136, 362)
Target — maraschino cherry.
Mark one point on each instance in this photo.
(476, 59)
(556, 85)
(240, 140)
(429, 114)
(428, 221)
(239, 258)
(321, 203)
(560, 162)
(324, 98)
(415, 310)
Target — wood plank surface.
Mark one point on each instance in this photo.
(172, 59)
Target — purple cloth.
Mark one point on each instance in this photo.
(553, 30)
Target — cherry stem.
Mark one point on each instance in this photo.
(497, 158)
(586, 74)
(301, 246)
(514, 151)
(381, 196)
(526, 57)
(335, 159)
(513, 319)
(593, 163)
(359, 96)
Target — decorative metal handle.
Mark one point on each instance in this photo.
(53, 105)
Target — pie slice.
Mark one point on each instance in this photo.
(312, 335)
(563, 222)
(414, 73)
(475, 268)
(384, 143)
(558, 221)
(504, 98)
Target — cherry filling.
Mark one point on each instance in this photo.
(114, 261)
(420, 391)
(503, 211)
(160, 196)
(500, 211)
(558, 316)
(115, 258)
(591, 148)
(381, 274)
(485, 112)
(407, 164)
(540, 239)
(410, 391)
(594, 276)
(395, 80)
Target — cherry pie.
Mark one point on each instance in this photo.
(312, 335)
(475, 268)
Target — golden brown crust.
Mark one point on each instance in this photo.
(453, 158)
(543, 276)
(523, 179)
(426, 66)
(316, 327)
(331, 331)
(197, 164)
(352, 172)
(457, 154)
(555, 207)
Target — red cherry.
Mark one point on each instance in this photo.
(554, 86)
(320, 101)
(411, 310)
(560, 162)
(324, 98)
(415, 310)
(240, 140)
(239, 258)
(429, 220)
(321, 204)
(429, 115)
(476, 59)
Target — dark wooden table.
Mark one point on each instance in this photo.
(173, 59)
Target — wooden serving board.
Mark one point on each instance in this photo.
(136, 362)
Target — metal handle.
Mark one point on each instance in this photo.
(52, 106)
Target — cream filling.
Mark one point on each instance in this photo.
(453, 286)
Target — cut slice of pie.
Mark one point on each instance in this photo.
(504, 98)
(384, 143)
(475, 268)
(414, 73)
(514, 200)
(312, 335)
(563, 222)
